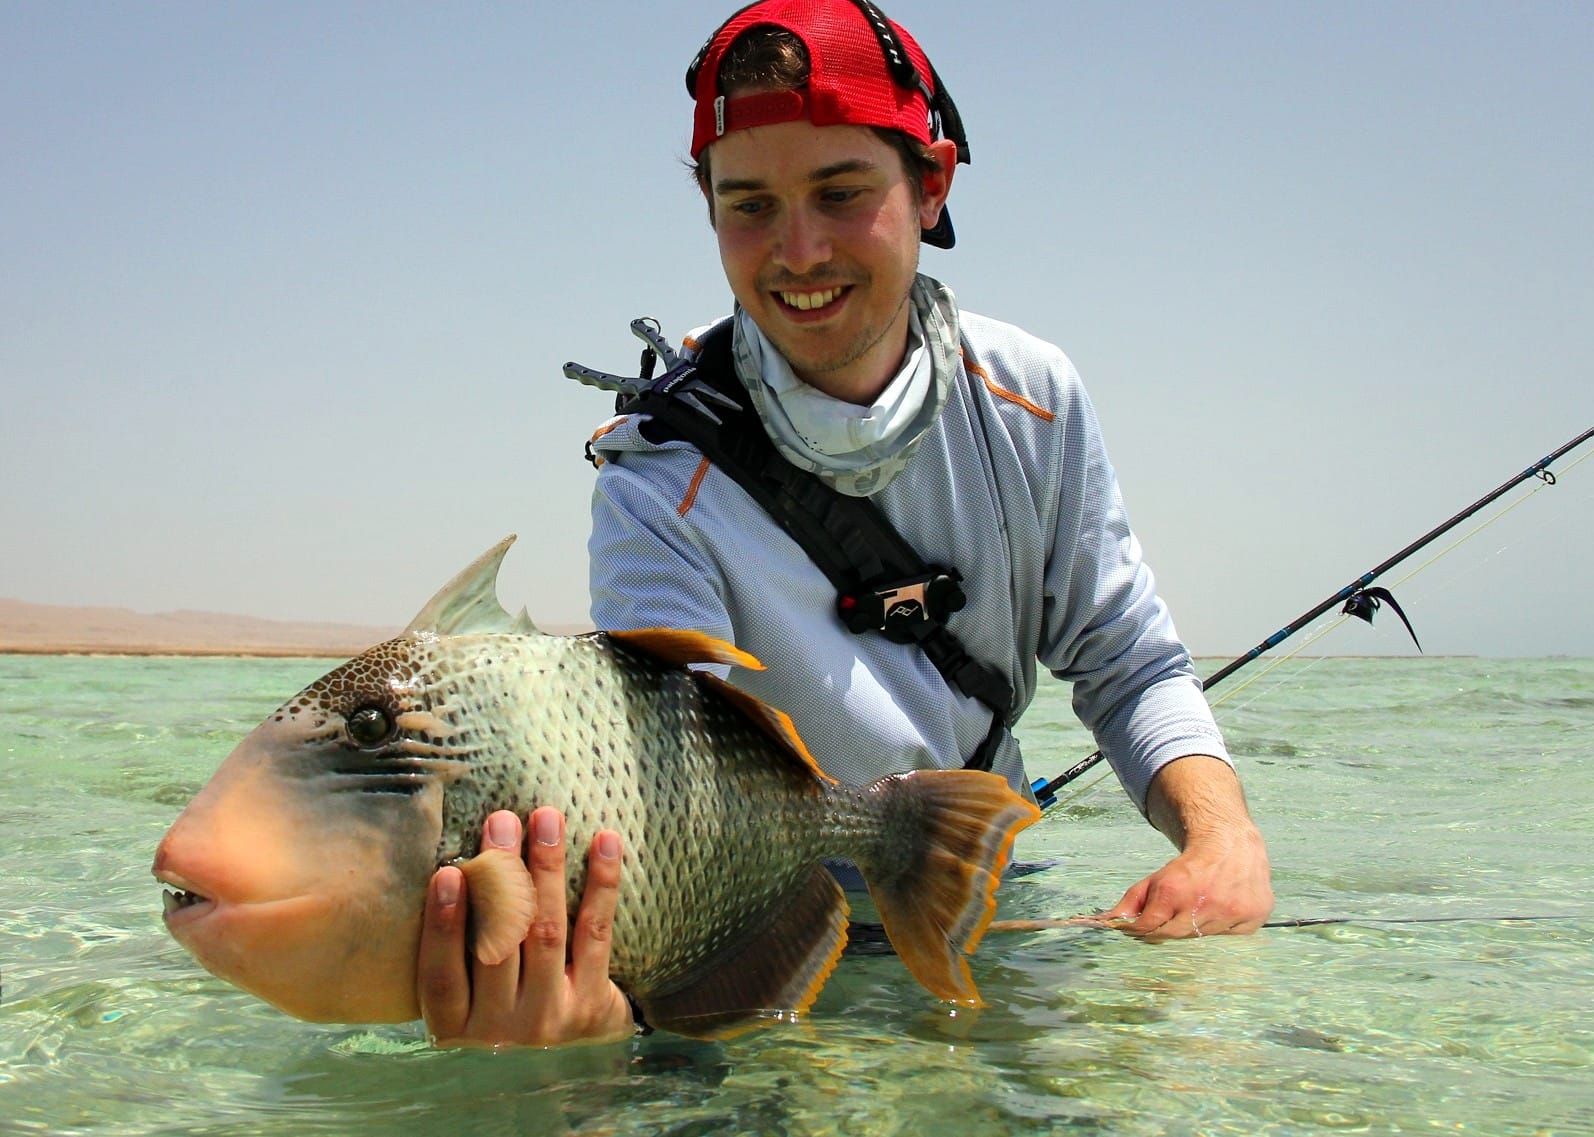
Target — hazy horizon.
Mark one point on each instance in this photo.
(286, 291)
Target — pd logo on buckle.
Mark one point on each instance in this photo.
(906, 603)
(904, 611)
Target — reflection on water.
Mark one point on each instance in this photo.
(1437, 810)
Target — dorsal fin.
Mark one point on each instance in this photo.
(682, 648)
(775, 723)
(469, 602)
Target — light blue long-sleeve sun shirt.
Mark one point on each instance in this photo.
(1011, 485)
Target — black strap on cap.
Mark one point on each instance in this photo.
(944, 117)
(702, 53)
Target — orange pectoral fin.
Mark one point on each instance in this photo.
(502, 902)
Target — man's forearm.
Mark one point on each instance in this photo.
(1197, 797)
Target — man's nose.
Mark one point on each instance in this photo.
(803, 242)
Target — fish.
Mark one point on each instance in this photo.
(299, 871)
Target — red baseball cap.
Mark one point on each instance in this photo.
(864, 70)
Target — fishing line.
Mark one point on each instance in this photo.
(1497, 516)
(1359, 599)
(1004, 927)
(1276, 662)
(864, 938)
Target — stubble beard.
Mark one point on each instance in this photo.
(809, 369)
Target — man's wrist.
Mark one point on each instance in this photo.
(1196, 798)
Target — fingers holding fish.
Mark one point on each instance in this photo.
(462, 992)
(497, 978)
(593, 935)
(536, 994)
(442, 977)
(565, 991)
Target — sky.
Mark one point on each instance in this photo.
(285, 290)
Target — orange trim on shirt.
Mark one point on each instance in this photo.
(597, 459)
(691, 490)
(1003, 393)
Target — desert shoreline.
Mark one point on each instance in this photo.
(33, 629)
(237, 651)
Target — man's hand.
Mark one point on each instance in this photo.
(1220, 882)
(539, 996)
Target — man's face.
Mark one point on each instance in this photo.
(818, 231)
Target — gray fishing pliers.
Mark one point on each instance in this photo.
(679, 381)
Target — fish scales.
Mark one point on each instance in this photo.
(614, 739)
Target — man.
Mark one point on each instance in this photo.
(817, 137)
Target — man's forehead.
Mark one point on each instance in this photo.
(799, 151)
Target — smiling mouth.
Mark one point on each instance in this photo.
(813, 300)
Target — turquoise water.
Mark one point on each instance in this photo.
(1395, 789)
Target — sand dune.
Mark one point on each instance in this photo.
(62, 630)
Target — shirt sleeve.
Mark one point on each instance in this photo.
(1105, 630)
(648, 568)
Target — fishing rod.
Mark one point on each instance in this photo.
(1003, 927)
(871, 939)
(1358, 598)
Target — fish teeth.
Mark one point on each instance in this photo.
(807, 301)
(172, 900)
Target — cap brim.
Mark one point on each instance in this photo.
(940, 234)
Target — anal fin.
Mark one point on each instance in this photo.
(775, 974)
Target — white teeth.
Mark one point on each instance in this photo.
(807, 301)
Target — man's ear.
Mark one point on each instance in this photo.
(938, 185)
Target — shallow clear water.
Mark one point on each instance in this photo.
(1394, 789)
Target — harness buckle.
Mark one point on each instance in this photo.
(904, 611)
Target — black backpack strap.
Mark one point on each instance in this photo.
(881, 583)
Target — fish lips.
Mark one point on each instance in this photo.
(182, 902)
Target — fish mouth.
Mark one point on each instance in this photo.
(181, 902)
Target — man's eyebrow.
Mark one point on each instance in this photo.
(846, 166)
(822, 174)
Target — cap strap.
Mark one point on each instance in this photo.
(947, 122)
(702, 52)
(891, 46)
(761, 109)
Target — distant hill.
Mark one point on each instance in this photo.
(62, 630)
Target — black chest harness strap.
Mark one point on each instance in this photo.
(882, 585)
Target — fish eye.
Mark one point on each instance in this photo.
(370, 726)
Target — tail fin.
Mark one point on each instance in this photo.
(933, 874)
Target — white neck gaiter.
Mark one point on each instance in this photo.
(856, 449)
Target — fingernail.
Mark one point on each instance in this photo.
(503, 831)
(608, 845)
(448, 889)
(548, 826)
